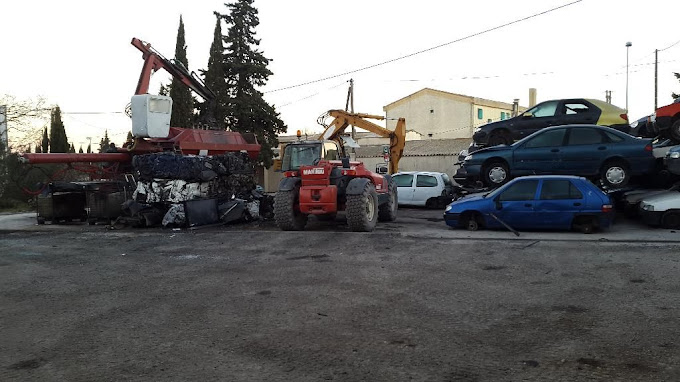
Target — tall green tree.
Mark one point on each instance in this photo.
(245, 69)
(182, 100)
(58, 140)
(72, 148)
(45, 145)
(215, 81)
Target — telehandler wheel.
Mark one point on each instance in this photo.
(362, 209)
(285, 214)
(387, 212)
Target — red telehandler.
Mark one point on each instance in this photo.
(320, 179)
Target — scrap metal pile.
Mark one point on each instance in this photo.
(167, 183)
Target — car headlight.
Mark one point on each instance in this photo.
(448, 208)
(648, 207)
(634, 124)
(467, 158)
(477, 129)
(674, 155)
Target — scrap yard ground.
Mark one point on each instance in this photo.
(411, 301)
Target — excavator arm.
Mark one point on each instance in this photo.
(343, 119)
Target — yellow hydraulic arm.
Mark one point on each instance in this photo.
(342, 119)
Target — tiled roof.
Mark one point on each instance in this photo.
(429, 147)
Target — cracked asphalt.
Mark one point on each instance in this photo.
(411, 301)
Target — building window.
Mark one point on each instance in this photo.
(480, 113)
(502, 115)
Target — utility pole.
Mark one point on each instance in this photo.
(656, 77)
(349, 105)
(608, 96)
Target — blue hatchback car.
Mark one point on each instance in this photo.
(535, 202)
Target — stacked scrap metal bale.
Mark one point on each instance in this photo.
(166, 181)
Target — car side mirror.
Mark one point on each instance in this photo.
(499, 205)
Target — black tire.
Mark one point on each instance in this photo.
(496, 174)
(470, 222)
(286, 215)
(326, 217)
(41, 220)
(362, 209)
(387, 212)
(615, 174)
(671, 219)
(585, 224)
(674, 131)
(432, 203)
(499, 138)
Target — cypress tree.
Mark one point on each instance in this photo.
(38, 148)
(72, 148)
(80, 151)
(245, 69)
(45, 146)
(104, 142)
(215, 81)
(182, 100)
(58, 141)
(89, 148)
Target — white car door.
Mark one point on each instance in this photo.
(427, 186)
(405, 187)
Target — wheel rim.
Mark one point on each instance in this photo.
(615, 175)
(497, 174)
(370, 207)
(472, 225)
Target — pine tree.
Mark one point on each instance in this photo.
(80, 150)
(215, 81)
(45, 141)
(89, 148)
(72, 148)
(104, 143)
(38, 148)
(245, 68)
(58, 141)
(182, 100)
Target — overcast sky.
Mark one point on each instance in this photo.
(78, 53)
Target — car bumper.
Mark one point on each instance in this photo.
(467, 174)
(651, 217)
(451, 219)
(673, 166)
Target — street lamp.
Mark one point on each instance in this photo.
(628, 45)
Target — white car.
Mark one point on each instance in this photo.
(424, 188)
(662, 210)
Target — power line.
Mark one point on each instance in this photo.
(429, 49)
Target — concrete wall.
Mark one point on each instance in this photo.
(439, 163)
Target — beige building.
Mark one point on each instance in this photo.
(435, 114)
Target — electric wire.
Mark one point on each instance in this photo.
(431, 48)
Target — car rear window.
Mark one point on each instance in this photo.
(559, 189)
(426, 181)
(405, 180)
(585, 136)
(613, 137)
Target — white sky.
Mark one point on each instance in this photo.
(78, 53)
